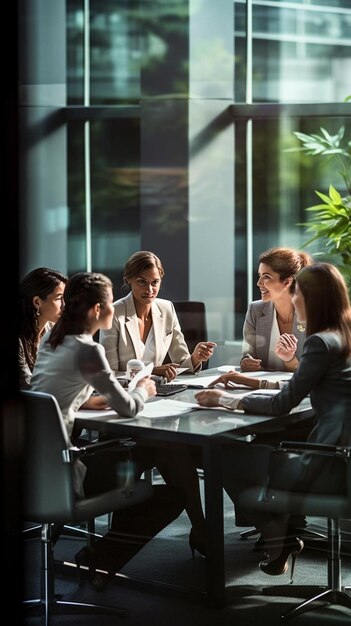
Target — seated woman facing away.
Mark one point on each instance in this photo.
(322, 304)
(70, 365)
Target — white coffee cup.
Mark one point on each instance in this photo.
(133, 367)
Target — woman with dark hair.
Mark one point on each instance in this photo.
(146, 327)
(40, 305)
(273, 338)
(322, 304)
(71, 365)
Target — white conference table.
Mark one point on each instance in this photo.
(206, 429)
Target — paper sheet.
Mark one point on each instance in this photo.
(166, 408)
(146, 371)
(201, 381)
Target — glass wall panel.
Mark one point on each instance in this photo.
(301, 50)
(114, 51)
(114, 221)
(284, 185)
(138, 52)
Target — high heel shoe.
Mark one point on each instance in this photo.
(291, 548)
(197, 543)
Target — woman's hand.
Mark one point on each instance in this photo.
(286, 347)
(203, 351)
(149, 385)
(96, 403)
(209, 397)
(169, 371)
(230, 379)
(249, 364)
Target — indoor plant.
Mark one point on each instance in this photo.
(330, 221)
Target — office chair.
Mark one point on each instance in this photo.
(192, 319)
(334, 507)
(49, 496)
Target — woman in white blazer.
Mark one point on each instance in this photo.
(146, 327)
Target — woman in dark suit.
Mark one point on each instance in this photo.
(321, 301)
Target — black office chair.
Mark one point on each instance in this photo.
(49, 496)
(192, 319)
(334, 507)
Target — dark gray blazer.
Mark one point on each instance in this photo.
(324, 375)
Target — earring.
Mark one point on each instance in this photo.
(37, 312)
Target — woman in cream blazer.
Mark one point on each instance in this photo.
(146, 327)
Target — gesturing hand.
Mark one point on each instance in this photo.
(203, 351)
(169, 370)
(286, 347)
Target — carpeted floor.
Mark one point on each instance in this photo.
(252, 596)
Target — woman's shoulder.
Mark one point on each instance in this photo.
(165, 307)
(124, 306)
(259, 307)
(330, 340)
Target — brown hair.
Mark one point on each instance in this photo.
(83, 290)
(327, 301)
(286, 262)
(140, 261)
(41, 282)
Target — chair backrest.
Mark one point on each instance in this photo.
(192, 319)
(48, 479)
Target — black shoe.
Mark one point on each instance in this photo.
(280, 565)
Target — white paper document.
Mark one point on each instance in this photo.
(146, 371)
(198, 381)
(166, 408)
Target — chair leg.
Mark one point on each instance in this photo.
(331, 596)
(334, 594)
(47, 603)
(251, 532)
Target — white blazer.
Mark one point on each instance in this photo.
(122, 341)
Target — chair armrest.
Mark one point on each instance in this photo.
(74, 452)
(314, 448)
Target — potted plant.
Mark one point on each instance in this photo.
(330, 221)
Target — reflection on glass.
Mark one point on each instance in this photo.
(284, 186)
(301, 51)
(129, 43)
(115, 195)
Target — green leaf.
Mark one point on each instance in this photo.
(335, 196)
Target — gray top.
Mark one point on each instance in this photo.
(73, 370)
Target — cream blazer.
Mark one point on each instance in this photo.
(122, 341)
